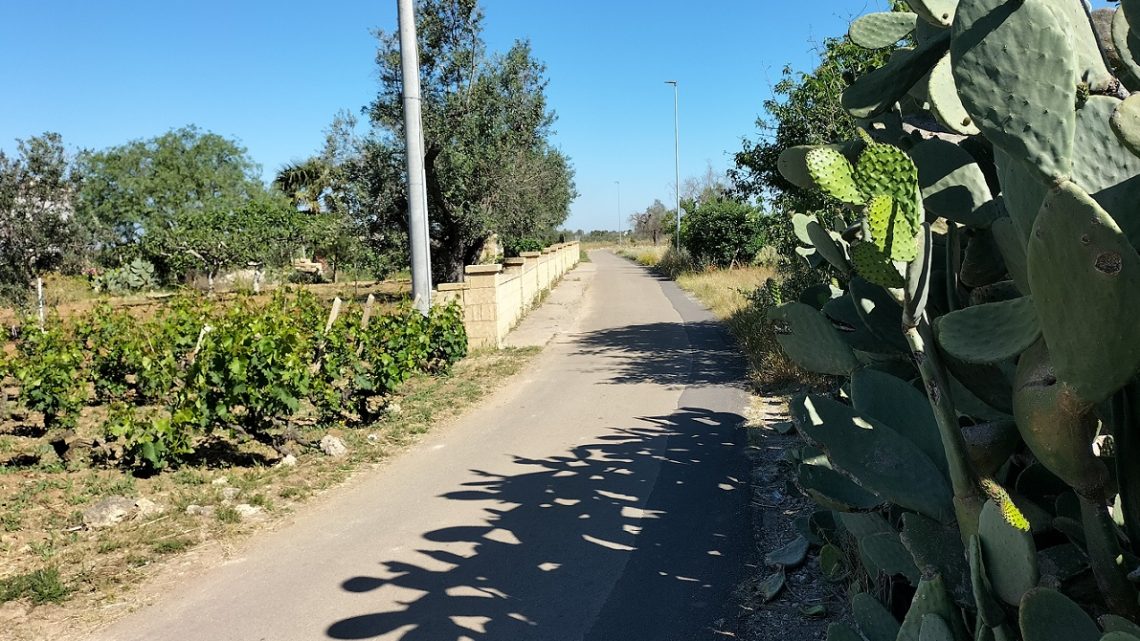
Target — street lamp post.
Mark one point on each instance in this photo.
(618, 183)
(677, 156)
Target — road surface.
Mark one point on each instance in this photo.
(602, 497)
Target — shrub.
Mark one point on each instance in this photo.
(722, 232)
(50, 372)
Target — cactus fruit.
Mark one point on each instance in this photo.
(878, 91)
(810, 340)
(1078, 253)
(896, 403)
(931, 598)
(1009, 555)
(1048, 615)
(945, 104)
(875, 456)
(989, 333)
(884, 29)
(874, 621)
(1016, 74)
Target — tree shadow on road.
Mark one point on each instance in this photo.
(692, 354)
(662, 505)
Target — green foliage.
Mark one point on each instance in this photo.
(136, 275)
(150, 444)
(722, 232)
(39, 586)
(50, 372)
(490, 165)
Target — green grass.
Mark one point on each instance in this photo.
(40, 586)
(227, 514)
(171, 546)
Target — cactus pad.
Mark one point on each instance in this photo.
(884, 29)
(1013, 252)
(1114, 623)
(1077, 253)
(1009, 555)
(939, 13)
(874, 621)
(1022, 192)
(875, 266)
(1090, 63)
(879, 311)
(850, 326)
(1103, 166)
(935, 628)
(834, 491)
(878, 91)
(1125, 42)
(899, 405)
(952, 184)
(931, 598)
(842, 632)
(886, 170)
(989, 333)
(937, 549)
(829, 246)
(889, 555)
(989, 609)
(1048, 615)
(877, 457)
(1016, 74)
(1126, 123)
(945, 104)
(830, 170)
(799, 227)
(810, 340)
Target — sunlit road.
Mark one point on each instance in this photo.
(602, 497)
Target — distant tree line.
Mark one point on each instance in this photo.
(190, 202)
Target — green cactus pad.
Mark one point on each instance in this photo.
(889, 555)
(842, 632)
(792, 162)
(991, 385)
(937, 549)
(952, 184)
(851, 328)
(878, 91)
(931, 598)
(989, 333)
(832, 562)
(935, 628)
(1008, 554)
(1078, 253)
(860, 525)
(875, 266)
(874, 621)
(832, 173)
(1090, 62)
(819, 295)
(1126, 123)
(829, 245)
(1126, 44)
(1047, 615)
(1016, 74)
(810, 340)
(945, 104)
(811, 256)
(1013, 252)
(879, 30)
(1061, 563)
(1119, 636)
(989, 609)
(877, 457)
(832, 490)
(789, 555)
(886, 170)
(1056, 425)
(1114, 623)
(1103, 166)
(799, 227)
(879, 311)
(939, 13)
(1022, 192)
(899, 405)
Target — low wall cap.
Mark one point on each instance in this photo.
(514, 262)
(483, 269)
(530, 254)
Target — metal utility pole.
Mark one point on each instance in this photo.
(618, 183)
(413, 135)
(677, 155)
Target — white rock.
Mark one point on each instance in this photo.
(230, 493)
(110, 511)
(333, 446)
(147, 507)
(221, 480)
(199, 510)
(288, 461)
(248, 511)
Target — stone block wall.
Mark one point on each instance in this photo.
(496, 297)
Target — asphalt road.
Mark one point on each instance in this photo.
(603, 496)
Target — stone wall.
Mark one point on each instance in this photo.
(496, 297)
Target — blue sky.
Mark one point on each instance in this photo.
(273, 74)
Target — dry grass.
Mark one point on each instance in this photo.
(42, 503)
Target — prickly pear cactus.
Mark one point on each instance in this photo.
(996, 193)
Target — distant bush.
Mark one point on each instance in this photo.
(722, 232)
